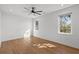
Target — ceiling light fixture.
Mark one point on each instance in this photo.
(34, 11)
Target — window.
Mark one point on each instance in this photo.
(64, 26)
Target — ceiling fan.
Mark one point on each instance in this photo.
(33, 10)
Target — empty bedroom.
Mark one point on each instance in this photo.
(39, 29)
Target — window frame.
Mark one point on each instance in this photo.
(59, 23)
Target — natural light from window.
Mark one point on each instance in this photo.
(64, 26)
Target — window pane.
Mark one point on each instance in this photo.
(65, 24)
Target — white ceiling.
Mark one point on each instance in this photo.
(18, 9)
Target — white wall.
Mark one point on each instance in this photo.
(13, 26)
(48, 27)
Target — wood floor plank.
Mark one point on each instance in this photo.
(20, 46)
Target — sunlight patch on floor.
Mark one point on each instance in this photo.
(44, 45)
(27, 36)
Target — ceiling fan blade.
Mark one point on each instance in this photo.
(26, 8)
(39, 11)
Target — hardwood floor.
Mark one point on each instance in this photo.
(20, 46)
